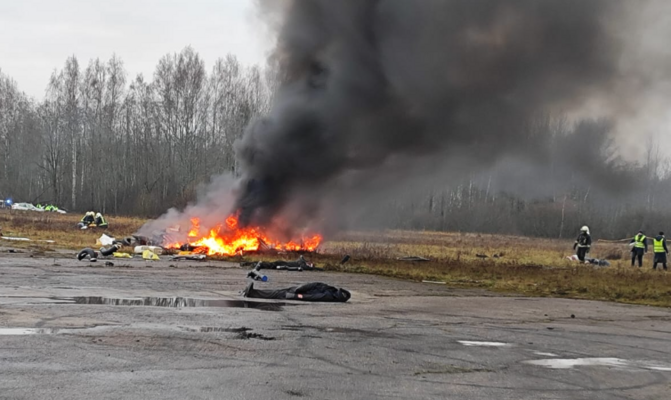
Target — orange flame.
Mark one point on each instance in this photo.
(228, 239)
(195, 227)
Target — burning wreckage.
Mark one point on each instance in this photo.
(231, 240)
(226, 239)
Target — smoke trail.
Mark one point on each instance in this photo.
(367, 81)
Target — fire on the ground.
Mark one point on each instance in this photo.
(229, 239)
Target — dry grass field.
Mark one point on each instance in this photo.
(529, 266)
(42, 228)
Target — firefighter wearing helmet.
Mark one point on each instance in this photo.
(583, 243)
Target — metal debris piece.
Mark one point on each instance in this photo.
(190, 257)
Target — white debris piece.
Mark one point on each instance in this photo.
(105, 240)
(154, 249)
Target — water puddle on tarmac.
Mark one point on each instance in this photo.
(176, 302)
(558, 363)
(471, 343)
(23, 331)
(209, 329)
(42, 331)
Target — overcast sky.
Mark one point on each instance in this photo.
(36, 36)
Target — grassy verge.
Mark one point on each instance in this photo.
(52, 230)
(535, 267)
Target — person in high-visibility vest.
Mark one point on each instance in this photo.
(100, 221)
(659, 246)
(639, 247)
(87, 220)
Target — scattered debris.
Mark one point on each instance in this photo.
(595, 261)
(109, 264)
(105, 240)
(413, 259)
(187, 247)
(19, 239)
(299, 265)
(345, 259)
(153, 249)
(436, 282)
(592, 261)
(257, 276)
(150, 255)
(110, 250)
(190, 257)
(122, 255)
(156, 240)
(87, 253)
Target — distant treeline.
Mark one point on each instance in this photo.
(101, 140)
(562, 177)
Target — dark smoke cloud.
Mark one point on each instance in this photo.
(370, 83)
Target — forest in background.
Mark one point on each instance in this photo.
(103, 140)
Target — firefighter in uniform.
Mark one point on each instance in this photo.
(583, 243)
(100, 221)
(88, 218)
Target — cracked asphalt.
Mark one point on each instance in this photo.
(394, 339)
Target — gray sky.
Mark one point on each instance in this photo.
(36, 36)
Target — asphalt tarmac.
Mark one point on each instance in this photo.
(180, 330)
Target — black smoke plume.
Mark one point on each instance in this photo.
(368, 81)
